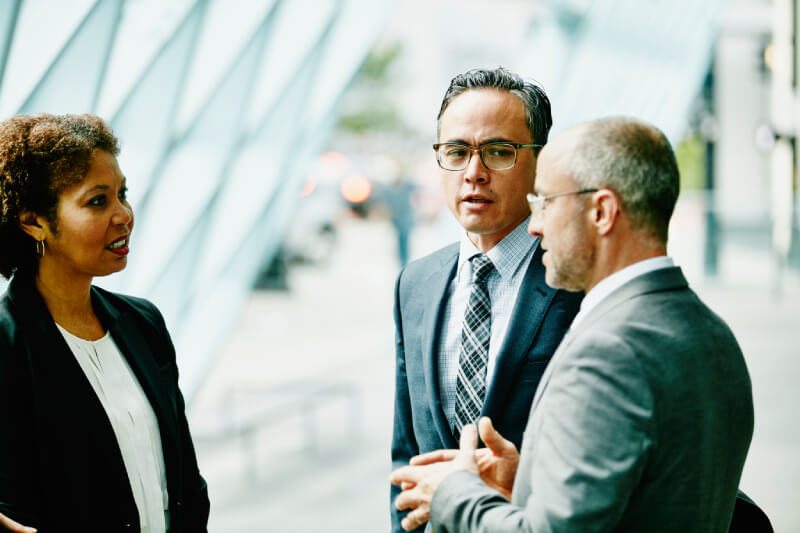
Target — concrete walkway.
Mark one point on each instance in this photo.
(321, 354)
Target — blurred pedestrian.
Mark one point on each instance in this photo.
(398, 197)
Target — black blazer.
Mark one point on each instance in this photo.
(60, 466)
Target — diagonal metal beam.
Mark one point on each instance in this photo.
(11, 26)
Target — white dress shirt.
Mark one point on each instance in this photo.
(510, 257)
(133, 421)
(602, 290)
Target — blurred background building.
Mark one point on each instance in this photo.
(279, 162)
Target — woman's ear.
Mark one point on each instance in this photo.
(605, 210)
(33, 224)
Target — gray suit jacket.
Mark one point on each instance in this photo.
(641, 423)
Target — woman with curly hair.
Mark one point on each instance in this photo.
(88, 381)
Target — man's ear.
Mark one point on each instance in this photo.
(606, 207)
(32, 224)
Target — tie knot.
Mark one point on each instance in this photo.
(481, 268)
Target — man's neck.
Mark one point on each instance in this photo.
(612, 259)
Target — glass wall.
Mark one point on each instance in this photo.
(219, 106)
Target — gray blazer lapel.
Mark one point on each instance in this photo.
(533, 300)
(657, 280)
(434, 289)
(565, 342)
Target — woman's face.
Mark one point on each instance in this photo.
(93, 223)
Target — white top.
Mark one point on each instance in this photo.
(134, 423)
(602, 290)
(510, 257)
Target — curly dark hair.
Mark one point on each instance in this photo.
(40, 156)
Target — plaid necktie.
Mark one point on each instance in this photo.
(474, 354)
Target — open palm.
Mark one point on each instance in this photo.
(497, 463)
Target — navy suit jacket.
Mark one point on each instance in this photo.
(61, 468)
(541, 317)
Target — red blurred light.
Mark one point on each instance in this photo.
(356, 189)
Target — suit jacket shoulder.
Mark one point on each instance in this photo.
(113, 305)
(423, 268)
(145, 308)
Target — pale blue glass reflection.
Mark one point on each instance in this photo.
(145, 28)
(42, 29)
(228, 26)
(219, 106)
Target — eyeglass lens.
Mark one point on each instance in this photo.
(495, 156)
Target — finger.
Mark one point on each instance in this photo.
(433, 457)
(405, 474)
(492, 438)
(415, 518)
(14, 526)
(469, 438)
(408, 499)
(484, 456)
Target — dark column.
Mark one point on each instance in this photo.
(708, 130)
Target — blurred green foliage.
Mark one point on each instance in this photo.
(370, 106)
(691, 156)
(374, 117)
(376, 65)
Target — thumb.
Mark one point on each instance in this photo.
(492, 438)
(469, 438)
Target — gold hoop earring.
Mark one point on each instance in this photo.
(40, 248)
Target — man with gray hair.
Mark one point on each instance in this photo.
(643, 418)
(475, 321)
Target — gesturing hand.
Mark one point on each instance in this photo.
(420, 481)
(497, 463)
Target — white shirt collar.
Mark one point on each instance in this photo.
(506, 256)
(602, 290)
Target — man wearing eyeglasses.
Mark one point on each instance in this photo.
(476, 322)
(644, 416)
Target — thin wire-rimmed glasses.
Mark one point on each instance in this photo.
(538, 202)
(495, 156)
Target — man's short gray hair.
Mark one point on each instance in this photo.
(537, 105)
(636, 160)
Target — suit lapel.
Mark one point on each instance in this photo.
(56, 369)
(435, 289)
(533, 300)
(69, 403)
(551, 366)
(658, 280)
(130, 339)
